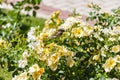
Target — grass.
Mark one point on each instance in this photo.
(4, 74)
(11, 15)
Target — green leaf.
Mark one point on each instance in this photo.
(37, 1)
(34, 13)
(36, 7)
(28, 8)
(19, 4)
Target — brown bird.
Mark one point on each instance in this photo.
(58, 33)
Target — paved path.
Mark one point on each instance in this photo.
(81, 5)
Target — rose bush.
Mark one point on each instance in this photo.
(68, 49)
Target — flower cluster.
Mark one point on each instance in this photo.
(52, 54)
(73, 44)
(46, 51)
(34, 70)
(23, 62)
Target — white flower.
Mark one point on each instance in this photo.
(111, 39)
(116, 48)
(115, 79)
(100, 38)
(34, 68)
(111, 79)
(117, 59)
(6, 26)
(2, 43)
(33, 45)
(48, 31)
(70, 61)
(106, 47)
(66, 25)
(103, 52)
(25, 54)
(77, 32)
(70, 22)
(74, 19)
(31, 36)
(97, 35)
(88, 30)
(53, 67)
(36, 72)
(105, 31)
(109, 64)
(53, 59)
(22, 76)
(22, 63)
(96, 57)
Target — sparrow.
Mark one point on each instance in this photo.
(58, 33)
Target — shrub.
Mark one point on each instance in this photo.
(68, 49)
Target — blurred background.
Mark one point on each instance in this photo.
(81, 5)
(68, 6)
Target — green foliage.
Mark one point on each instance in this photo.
(17, 21)
(4, 74)
(92, 50)
(105, 19)
(15, 27)
(31, 5)
(61, 49)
